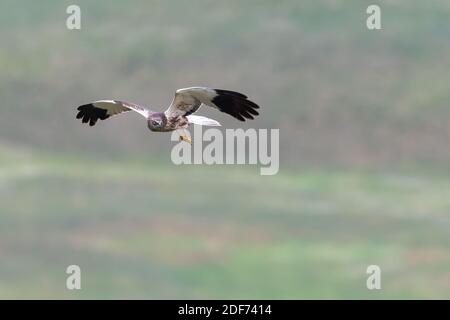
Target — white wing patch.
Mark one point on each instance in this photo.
(203, 94)
(112, 107)
(203, 121)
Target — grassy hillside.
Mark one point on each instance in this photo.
(144, 230)
(363, 118)
(351, 96)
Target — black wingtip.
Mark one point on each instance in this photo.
(231, 93)
(235, 104)
(90, 114)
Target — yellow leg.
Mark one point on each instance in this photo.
(185, 137)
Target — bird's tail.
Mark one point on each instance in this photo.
(202, 121)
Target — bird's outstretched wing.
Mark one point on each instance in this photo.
(189, 100)
(103, 109)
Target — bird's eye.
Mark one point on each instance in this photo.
(154, 123)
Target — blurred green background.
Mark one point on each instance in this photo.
(364, 142)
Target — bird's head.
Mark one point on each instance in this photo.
(157, 121)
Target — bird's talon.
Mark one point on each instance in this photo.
(186, 138)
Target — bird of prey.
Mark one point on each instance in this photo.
(180, 112)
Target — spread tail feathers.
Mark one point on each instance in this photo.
(202, 121)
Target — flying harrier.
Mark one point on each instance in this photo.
(180, 113)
